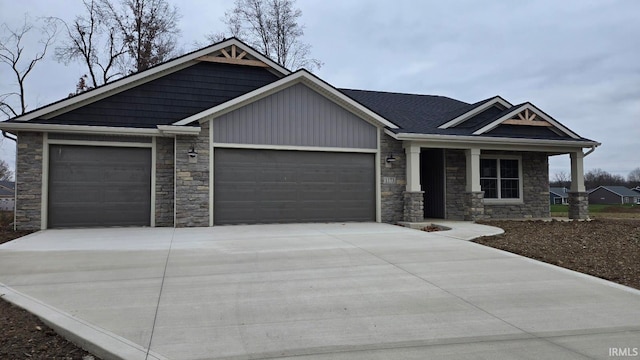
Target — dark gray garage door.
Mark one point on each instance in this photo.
(99, 186)
(269, 186)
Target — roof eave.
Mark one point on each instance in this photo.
(491, 140)
(78, 129)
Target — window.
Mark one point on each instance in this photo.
(500, 178)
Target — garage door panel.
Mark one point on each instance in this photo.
(99, 186)
(268, 186)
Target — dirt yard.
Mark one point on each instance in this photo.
(605, 247)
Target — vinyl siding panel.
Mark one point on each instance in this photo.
(170, 98)
(295, 116)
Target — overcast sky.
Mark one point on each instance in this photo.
(578, 61)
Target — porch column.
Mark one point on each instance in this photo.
(578, 197)
(474, 196)
(413, 196)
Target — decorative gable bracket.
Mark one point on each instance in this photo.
(527, 118)
(232, 55)
(528, 115)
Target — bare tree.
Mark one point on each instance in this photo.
(12, 54)
(598, 177)
(271, 26)
(5, 171)
(561, 179)
(148, 29)
(93, 40)
(634, 177)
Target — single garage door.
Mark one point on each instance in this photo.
(270, 186)
(99, 186)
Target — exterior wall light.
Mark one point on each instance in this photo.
(192, 152)
(391, 158)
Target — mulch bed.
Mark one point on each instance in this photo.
(606, 248)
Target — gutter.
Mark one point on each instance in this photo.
(489, 140)
(7, 136)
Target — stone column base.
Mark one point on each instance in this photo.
(474, 205)
(413, 206)
(578, 205)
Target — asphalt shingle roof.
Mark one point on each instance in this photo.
(422, 114)
(621, 190)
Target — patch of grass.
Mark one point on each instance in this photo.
(562, 210)
(559, 208)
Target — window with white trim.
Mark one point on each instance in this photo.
(500, 178)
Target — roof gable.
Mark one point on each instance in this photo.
(243, 55)
(168, 99)
(618, 190)
(300, 76)
(526, 115)
(476, 109)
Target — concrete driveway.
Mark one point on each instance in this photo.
(312, 291)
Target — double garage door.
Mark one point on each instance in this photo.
(99, 186)
(269, 186)
(93, 186)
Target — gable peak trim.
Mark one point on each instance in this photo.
(233, 54)
(497, 100)
(155, 72)
(527, 108)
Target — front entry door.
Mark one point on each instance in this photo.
(432, 181)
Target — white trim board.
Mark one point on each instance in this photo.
(464, 117)
(467, 141)
(79, 129)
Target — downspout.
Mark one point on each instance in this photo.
(6, 135)
(593, 148)
(15, 186)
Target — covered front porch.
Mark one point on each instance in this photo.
(482, 182)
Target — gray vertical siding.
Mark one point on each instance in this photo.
(295, 116)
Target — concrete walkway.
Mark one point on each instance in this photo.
(312, 291)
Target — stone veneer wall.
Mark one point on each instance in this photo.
(578, 205)
(164, 181)
(535, 189)
(392, 195)
(455, 184)
(29, 181)
(535, 173)
(192, 179)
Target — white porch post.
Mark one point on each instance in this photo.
(413, 168)
(473, 170)
(413, 196)
(577, 171)
(578, 197)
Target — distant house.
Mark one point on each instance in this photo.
(636, 189)
(558, 195)
(7, 195)
(613, 195)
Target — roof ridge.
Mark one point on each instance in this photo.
(399, 93)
